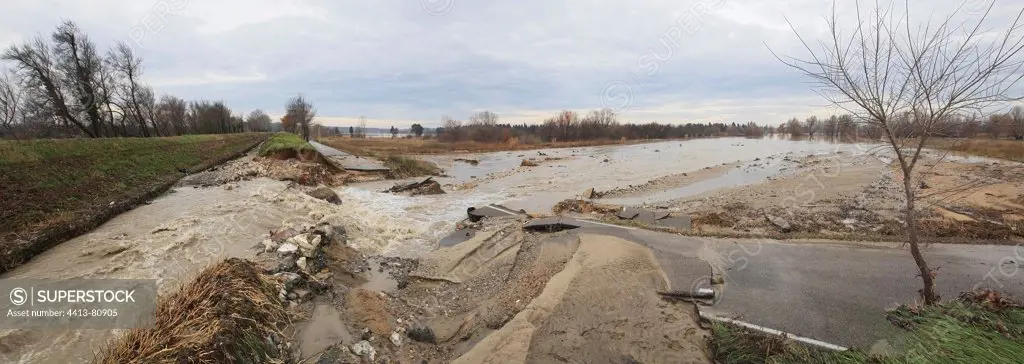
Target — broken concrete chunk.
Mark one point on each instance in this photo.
(302, 263)
(426, 187)
(364, 349)
(778, 222)
(325, 194)
(288, 248)
(629, 213)
(589, 193)
(675, 222)
(269, 246)
(396, 339)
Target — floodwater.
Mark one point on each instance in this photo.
(178, 234)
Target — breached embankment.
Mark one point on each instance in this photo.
(507, 296)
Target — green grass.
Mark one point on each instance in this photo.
(962, 331)
(405, 167)
(53, 188)
(288, 142)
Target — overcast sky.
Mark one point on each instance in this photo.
(398, 62)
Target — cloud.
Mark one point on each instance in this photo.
(408, 61)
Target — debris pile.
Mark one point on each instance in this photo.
(584, 207)
(193, 325)
(425, 187)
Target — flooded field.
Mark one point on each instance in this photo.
(179, 233)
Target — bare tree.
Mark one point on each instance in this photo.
(812, 126)
(10, 101)
(302, 113)
(361, 130)
(1017, 118)
(35, 62)
(172, 111)
(128, 68)
(78, 62)
(258, 121)
(794, 128)
(888, 68)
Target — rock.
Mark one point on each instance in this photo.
(589, 193)
(325, 230)
(396, 339)
(306, 248)
(325, 194)
(779, 222)
(283, 234)
(364, 349)
(426, 187)
(338, 354)
(292, 296)
(269, 246)
(528, 163)
(286, 264)
(302, 263)
(422, 334)
(315, 243)
(288, 277)
(288, 248)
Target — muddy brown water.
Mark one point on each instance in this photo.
(181, 232)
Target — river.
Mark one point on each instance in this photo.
(189, 228)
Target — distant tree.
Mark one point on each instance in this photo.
(394, 132)
(811, 125)
(794, 127)
(361, 131)
(10, 101)
(300, 112)
(417, 129)
(1017, 118)
(258, 120)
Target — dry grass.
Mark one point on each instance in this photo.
(995, 148)
(372, 146)
(225, 315)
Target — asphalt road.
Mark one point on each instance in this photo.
(348, 161)
(836, 292)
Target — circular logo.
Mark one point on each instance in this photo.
(437, 7)
(617, 95)
(19, 296)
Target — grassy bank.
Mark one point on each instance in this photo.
(285, 145)
(994, 148)
(982, 328)
(433, 146)
(53, 190)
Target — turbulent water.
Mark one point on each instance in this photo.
(179, 233)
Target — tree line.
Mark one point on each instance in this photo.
(569, 125)
(1009, 124)
(63, 86)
